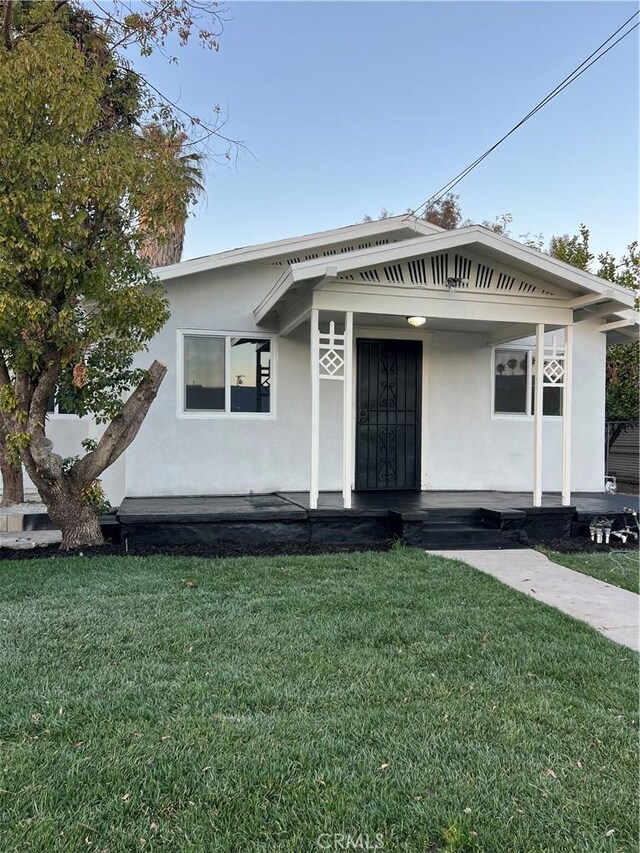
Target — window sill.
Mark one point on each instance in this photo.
(63, 416)
(223, 416)
(526, 418)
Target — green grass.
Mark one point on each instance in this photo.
(394, 693)
(619, 568)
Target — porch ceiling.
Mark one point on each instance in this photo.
(496, 329)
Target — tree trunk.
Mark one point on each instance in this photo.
(81, 529)
(12, 482)
(78, 522)
(60, 490)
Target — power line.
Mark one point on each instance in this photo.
(570, 78)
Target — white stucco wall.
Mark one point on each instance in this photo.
(223, 454)
(470, 448)
(465, 446)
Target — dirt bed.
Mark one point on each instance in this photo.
(219, 549)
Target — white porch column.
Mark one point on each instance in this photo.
(537, 416)
(315, 409)
(566, 416)
(331, 358)
(347, 385)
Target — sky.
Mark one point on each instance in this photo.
(349, 107)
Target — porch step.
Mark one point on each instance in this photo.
(452, 534)
(465, 530)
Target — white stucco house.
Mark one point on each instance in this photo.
(389, 355)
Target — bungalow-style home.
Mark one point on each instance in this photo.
(391, 355)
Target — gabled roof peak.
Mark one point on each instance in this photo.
(335, 241)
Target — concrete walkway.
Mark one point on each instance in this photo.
(29, 539)
(612, 611)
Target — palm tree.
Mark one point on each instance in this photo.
(162, 245)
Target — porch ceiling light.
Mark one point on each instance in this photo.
(416, 321)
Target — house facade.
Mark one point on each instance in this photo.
(391, 355)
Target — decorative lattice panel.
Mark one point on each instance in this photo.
(554, 369)
(331, 353)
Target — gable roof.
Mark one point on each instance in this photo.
(340, 252)
(310, 246)
(384, 264)
(503, 249)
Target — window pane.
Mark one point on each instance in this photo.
(66, 407)
(204, 373)
(250, 375)
(551, 400)
(511, 381)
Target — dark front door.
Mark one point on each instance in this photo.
(388, 414)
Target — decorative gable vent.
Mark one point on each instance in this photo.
(418, 271)
(505, 282)
(440, 268)
(432, 271)
(462, 269)
(394, 274)
(483, 277)
(339, 250)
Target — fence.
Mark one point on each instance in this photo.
(622, 456)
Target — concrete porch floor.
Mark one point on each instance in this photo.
(597, 503)
(277, 504)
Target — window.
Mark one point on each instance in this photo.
(511, 381)
(58, 407)
(65, 401)
(514, 384)
(226, 374)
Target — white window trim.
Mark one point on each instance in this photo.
(227, 334)
(515, 416)
(62, 416)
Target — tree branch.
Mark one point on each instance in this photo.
(32, 29)
(122, 429)
(45, 386)
(6, 23)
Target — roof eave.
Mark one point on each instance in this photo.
(268, 251)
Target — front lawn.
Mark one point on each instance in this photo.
(303, 703)
(618, 567)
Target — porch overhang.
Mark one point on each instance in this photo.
(469, 275)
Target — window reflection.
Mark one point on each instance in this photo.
(250, 375)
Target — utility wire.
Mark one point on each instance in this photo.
(570, 78)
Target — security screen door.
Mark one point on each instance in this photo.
(388, 414)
